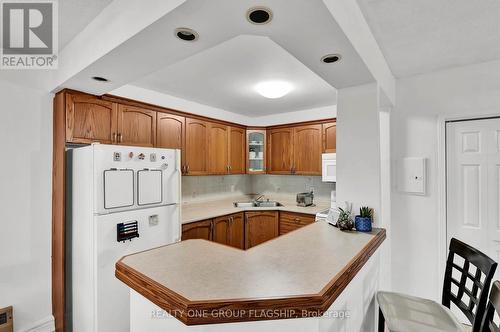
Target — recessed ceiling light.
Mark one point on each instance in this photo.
(331, 58)
(273, 89)
(186, 34)
(100, 79)
(259, 15)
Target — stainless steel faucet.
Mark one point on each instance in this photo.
(258, 198)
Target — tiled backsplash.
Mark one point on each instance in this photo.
(213, 187)
(291, 184)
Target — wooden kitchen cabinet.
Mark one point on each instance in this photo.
(196, 147)
(218, 148)
(295, 150)
(230, 230)
(280, 151)
(197, 230)
(290, 221)
(221, 229)
(307, 150)
(171, 133)
(136, 126)
(237, 231)
(237, 150)
(260, 226)
(90, 119)
(329, 137)
(256, 151)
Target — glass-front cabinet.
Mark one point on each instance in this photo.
(256, 151)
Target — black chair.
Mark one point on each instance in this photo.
(488, 324)
(467, 280)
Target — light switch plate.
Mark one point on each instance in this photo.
(412, 176)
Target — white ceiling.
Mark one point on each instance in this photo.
(301, 32)
(75, 15)
(419, 36)
(224, 76)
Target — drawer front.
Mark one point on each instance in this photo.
(292, 221)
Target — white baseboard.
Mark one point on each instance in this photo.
(43, 325)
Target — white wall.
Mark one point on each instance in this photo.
(164, 100)
(25, 213)
(358, 148)
(465, 91)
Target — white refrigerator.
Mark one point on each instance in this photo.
(121, 200)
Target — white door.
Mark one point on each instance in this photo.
(473, 184)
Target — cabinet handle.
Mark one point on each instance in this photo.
(113, 138)
(187, 169)
(119, 138)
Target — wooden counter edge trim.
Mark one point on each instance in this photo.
(168, 300)
(243, 310)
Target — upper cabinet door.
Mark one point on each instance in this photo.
(237, 145)
(330, 137)
(218, 142)
(307, 150)
(90, 119)
(171, 133)
(196, 147)
(136, 126)
(280, 151)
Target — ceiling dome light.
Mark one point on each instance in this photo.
(273, 89)
(331, 58)
(259, 15)
(186, 34)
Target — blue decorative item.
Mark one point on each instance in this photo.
(363, 224)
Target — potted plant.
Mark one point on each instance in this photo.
(363, 222)
(344, 222)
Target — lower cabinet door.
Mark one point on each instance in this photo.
(221, 229)
(230, 230)
(197, 230)
(260, 227)
(237, 231)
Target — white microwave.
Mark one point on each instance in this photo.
(329, 168)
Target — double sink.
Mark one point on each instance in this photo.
(257, 204)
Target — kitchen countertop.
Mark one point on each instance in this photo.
(202, 210)
(301, 272)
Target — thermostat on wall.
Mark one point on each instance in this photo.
(411, 173)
